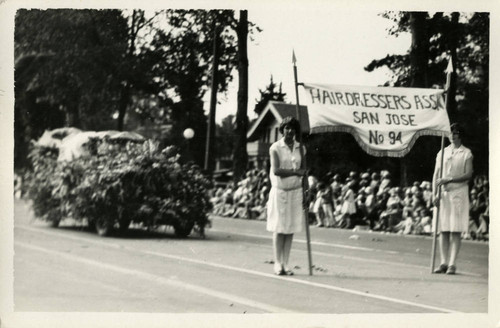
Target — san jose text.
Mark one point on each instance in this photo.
(388, 119)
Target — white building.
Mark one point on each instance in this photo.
(265, 130)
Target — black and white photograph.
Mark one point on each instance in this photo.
(239, 164)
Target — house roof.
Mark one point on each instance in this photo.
(278, 110)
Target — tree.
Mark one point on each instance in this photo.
(79, 50)
(185, 50)
(184, 53)
(225, 137)
(65, 65)
(90, 68)
(464, 37)
(240, 156)
(136, 73)
(268, 94)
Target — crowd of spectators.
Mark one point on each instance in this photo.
(245, 199)
(368, 200)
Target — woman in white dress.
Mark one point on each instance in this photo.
(348, 206)
(453, 200)
(285, 213)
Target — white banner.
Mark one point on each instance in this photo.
(384, 121)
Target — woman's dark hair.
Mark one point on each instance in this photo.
(291, 122)
(459, 129)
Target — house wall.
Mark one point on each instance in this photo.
(274, 132)
(258, 151)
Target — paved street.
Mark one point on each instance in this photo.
(70, 269)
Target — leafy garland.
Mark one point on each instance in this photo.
(120, 181)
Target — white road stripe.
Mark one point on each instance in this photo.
(253, 272)
(363, 259)
(303, 282)
(302, 241)
(159, 279)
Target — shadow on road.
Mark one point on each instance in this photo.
(132, 233)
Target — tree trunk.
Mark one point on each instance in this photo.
(125, 92)
(419, 49)
(452, 48)
(122, 109)
(418, 61)
(240, 155)
(73, 117)
(209, 149)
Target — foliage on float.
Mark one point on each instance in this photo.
(118, 182)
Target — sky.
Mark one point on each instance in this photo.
(331, 46)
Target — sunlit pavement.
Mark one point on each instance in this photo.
(72, 269)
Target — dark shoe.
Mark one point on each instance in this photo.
(442, 269)
(451, 269)
(288, 272)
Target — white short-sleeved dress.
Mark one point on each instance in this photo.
(454, 205)
(349, 204)
(285, 212)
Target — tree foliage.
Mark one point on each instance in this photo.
(225, 137)
(435, 37)
(103, 69)
(269, 93)
(66, 67)
(184, 56)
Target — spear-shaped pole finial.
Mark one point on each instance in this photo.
(294, 60)
(448, 71)
(449, 68)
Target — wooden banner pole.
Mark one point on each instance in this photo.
(449, 71)
(305, 187)
(435, 229)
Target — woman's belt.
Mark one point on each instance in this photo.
(289, 189)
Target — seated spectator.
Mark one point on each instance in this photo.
(360, 217)
(423, 224)
(375, 182)
(258, 208)
(348, 209)
(484, 221)
(312, 198)
(407, 200)
(416, 198)
(407, 223)
(227, 209)
(385, 182)
(365, 180)
(378, 207)
(392, 215)
(364, 198)
(336, 185)
(426, 188)
(326, 201)
(477, 206)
